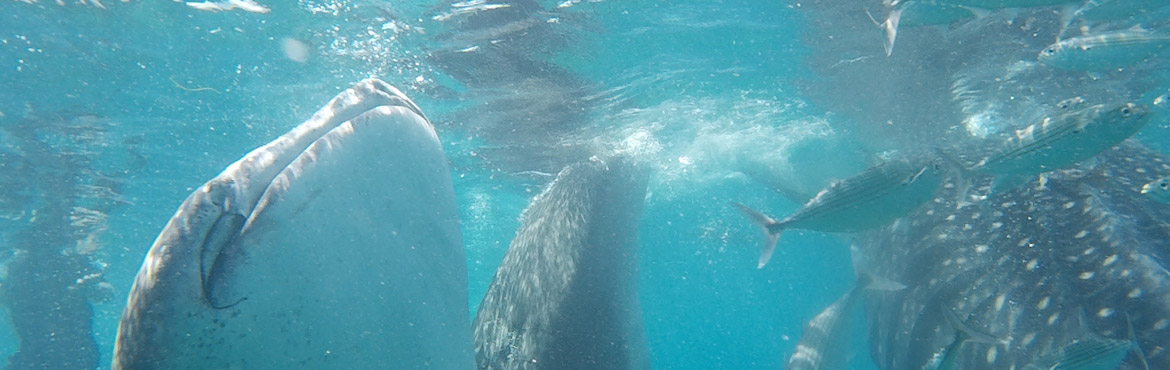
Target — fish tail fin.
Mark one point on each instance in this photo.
(967, 334)
(890, 26)
(771, 227)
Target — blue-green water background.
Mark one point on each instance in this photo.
(702, 84)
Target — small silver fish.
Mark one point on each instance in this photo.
(919, 13)
(1063, 140)
(1110, 10)
(875, 197)
(1008, 4)
(1092, 353)
(824, 344)
(1104, 51)
(1087, 354)
(1158, 190)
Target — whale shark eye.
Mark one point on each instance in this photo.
(1125, 111)
(1164, 184)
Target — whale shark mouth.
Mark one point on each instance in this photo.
(292, 254)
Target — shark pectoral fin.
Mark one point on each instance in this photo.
(968, 334)
(771, 228)
(869, 281)
(214, 259)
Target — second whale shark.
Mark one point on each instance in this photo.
(1049, 267)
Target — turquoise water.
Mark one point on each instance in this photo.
(113, 114)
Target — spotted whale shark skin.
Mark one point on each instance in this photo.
(1077, 256)
(335, 246)
(565, 295)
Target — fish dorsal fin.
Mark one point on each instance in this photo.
(1137, 345)
(1072, 103)
(890, 27)
(1084, 325)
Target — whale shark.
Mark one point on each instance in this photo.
(565, 295)
(335, 246)
(1076, 256)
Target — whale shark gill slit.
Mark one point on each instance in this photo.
(218, 247)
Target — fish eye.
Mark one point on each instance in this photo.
(1125, 111)
(1164, 184)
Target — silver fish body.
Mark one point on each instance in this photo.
(876, 196)
(1086, 354)
(1105, 51)
(1109, 10)
(1063, 140)
(825, 340)
(872, 198)
(1008, 4)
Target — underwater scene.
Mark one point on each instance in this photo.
(585, 184)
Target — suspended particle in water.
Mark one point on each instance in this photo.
(295, 50)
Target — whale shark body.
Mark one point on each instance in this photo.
(336, 246)
(1075, 257)
(565, 296)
